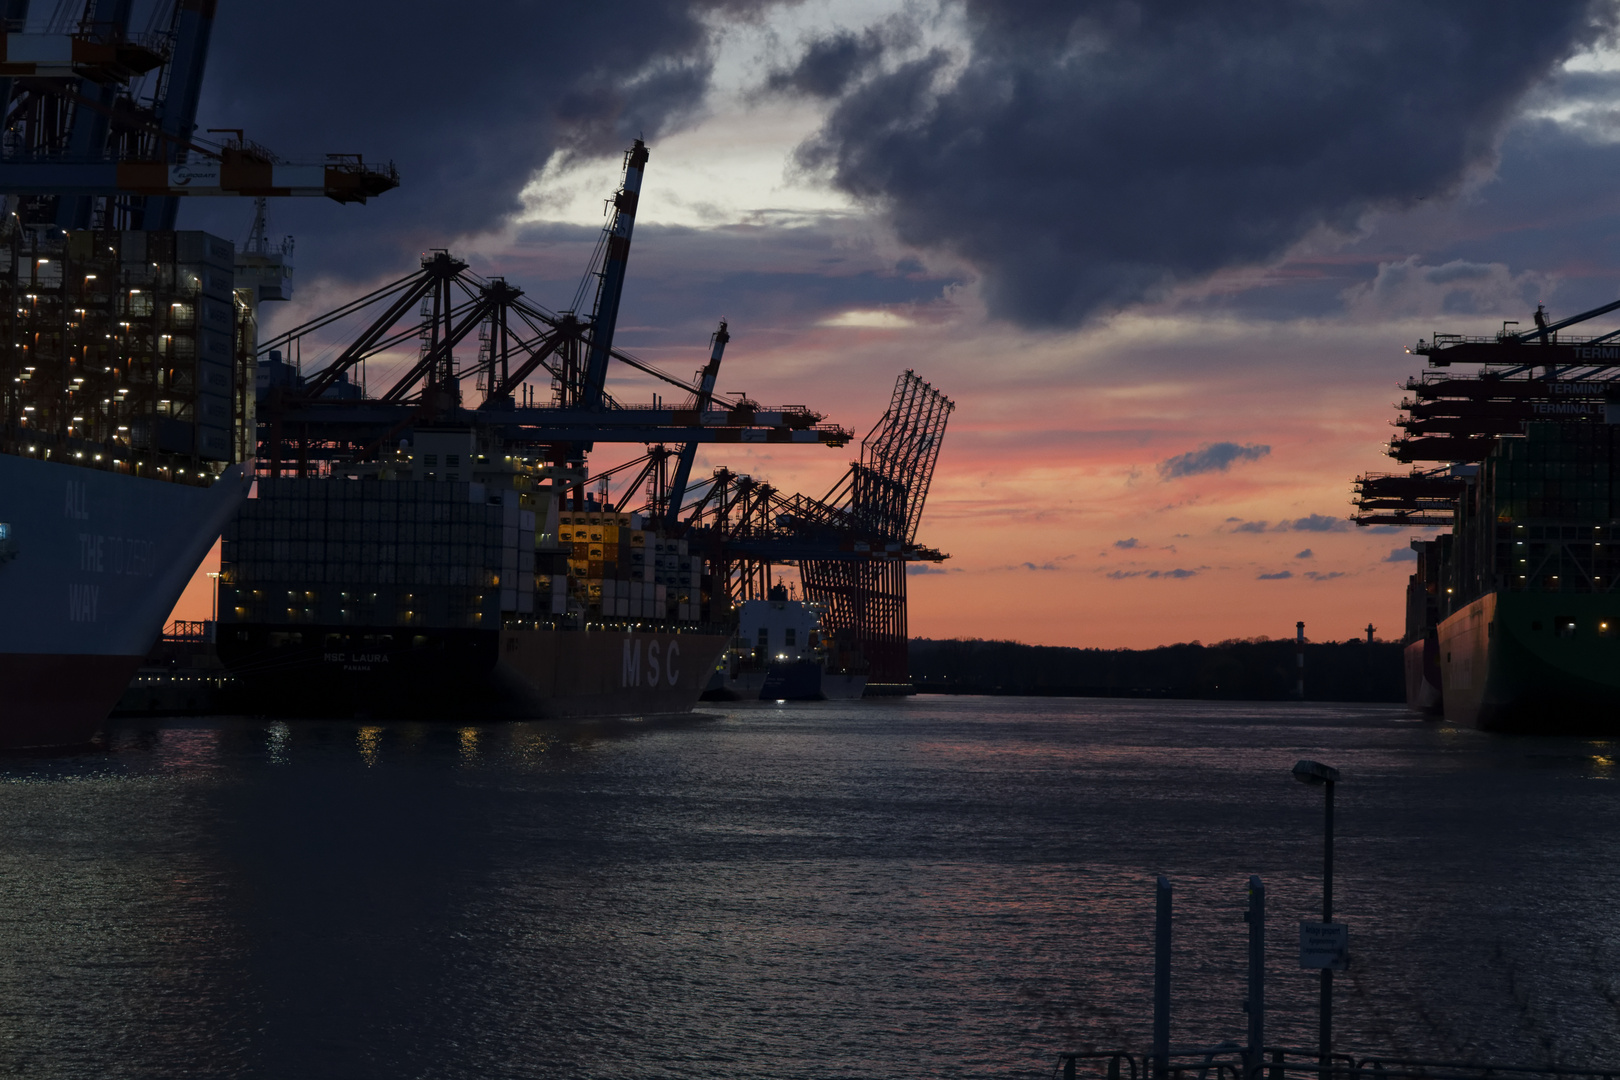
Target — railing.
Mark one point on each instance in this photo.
(1226, 1062)
(191, 630)
(1113, 1059)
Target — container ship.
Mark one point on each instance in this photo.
(126, 349)
(456, 580)
(1513, 618)
(120, 401)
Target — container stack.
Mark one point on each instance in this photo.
(1557, 472)
(619, 569)
(126, 343)
(355, 552)
(1538, 517)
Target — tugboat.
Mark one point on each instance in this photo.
(781, 653)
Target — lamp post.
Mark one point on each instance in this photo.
(1315, 774)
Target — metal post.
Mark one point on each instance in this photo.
(1299, 659)
(1324, 1035)
(1161, 982)
(1256, 1005)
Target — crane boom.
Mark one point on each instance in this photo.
(683, 464)
(614, 263)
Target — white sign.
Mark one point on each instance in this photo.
(1324, 945)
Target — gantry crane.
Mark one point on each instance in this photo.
(851, 546)
(1451, 420)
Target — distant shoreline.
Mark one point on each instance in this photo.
(1237, 670)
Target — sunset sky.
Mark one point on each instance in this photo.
(1164, 256)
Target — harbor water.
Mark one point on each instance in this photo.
(927, 887)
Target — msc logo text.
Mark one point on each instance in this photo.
(634, 673)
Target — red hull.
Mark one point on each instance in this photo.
(51, 699)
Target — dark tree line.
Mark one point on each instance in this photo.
(1250, 670)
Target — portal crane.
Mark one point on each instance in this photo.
(1451, 421)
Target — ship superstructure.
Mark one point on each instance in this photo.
(783, 651)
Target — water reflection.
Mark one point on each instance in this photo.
(935, 886)
(278, 734)
(369, 740)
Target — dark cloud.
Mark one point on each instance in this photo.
(1401, 554)
(919, 569)
(783, 276)
(1319, 523)
(1531, 226)
(1126, 544)
(1251, 526)
(1175, 574)
(1319, 575)
(1084, 157)
(828, 65)
(1306, 554)
(1211, 457)
(1280, 575)
(468, 102)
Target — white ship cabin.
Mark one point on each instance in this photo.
(778, 630)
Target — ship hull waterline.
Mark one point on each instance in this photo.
(506, 674)
(1533, 663)
(93, 563)
(1422, 664)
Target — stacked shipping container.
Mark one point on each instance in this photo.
(1538, 517)
(127, 344)
(364, 552)
(616, 568)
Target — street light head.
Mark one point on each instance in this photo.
(1314, 772)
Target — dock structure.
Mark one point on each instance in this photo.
(1229, 1061)
(1324, 947)
(543, 393)
(133, 347)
